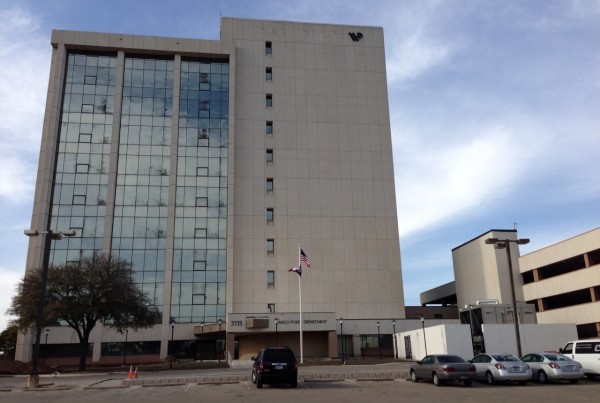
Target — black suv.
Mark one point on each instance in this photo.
(275, 365)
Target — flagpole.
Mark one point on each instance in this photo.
(300, 293)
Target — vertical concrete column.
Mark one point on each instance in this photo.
(332, 344)
(45, 177)
(586, 259)
(167, 289)
(114, 154)
(229, 346)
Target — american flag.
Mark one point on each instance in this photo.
(297, 270)
(304, 258)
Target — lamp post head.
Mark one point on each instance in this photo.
(394, 322)
(378, 324)
(220, 321)
(422, 319)
(47, 330)
(172, 324)
(499, 242)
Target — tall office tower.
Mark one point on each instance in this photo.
(209, 165)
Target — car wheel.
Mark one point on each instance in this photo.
(436, 379)
(254, 377)
(413, 376)
(489, 378)
(468, 383)
(522, 383)
(259, 383)
(542, 377)
(573, 381)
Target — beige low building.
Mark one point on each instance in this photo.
(481, 271)
(563, 281)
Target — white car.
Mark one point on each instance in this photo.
(547, 367)
(587, 353)
(493, 368)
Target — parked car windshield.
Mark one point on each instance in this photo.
(557, 357)
(279, 355)
(505, 357)
(445, 359)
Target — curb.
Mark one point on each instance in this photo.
(307, 377)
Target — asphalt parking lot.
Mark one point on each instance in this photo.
(348, 391)
(347, 384)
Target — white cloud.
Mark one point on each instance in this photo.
(583, 8)
(414, 44)
(436, 181)
(8, 284)
(24, 62)
(414, 55)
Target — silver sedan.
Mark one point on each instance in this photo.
(493, 368)
(553, 367)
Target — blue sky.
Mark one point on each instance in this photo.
(495, 111)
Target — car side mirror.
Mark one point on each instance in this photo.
(560, 350)
(419, 362)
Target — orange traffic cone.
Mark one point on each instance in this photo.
(135, 375)
(130, 376)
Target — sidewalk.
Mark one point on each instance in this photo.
(388, 371)
(240, 371)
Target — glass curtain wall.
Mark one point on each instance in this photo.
(142, 191)
(80, 183)
(200, 239)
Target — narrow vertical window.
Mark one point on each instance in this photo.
(269, 128)
(269, 74)
(270, 185)
(269, 156)
(269, 100)
(270, 246)
(270, 278)
(268, 48)
(270, 216)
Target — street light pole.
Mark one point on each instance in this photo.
(34, 377)
(46, 343)
(172, 346)
(219, 347)
(276, 325)
(424, 337)
(394, 339)
(125, 346)
(378, 340)
(202, 349)
(342, 331)
(505, 243)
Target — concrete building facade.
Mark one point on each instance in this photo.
(208, 164)
(481, 271)
(563, 281)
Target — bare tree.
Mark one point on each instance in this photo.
(98, 288)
